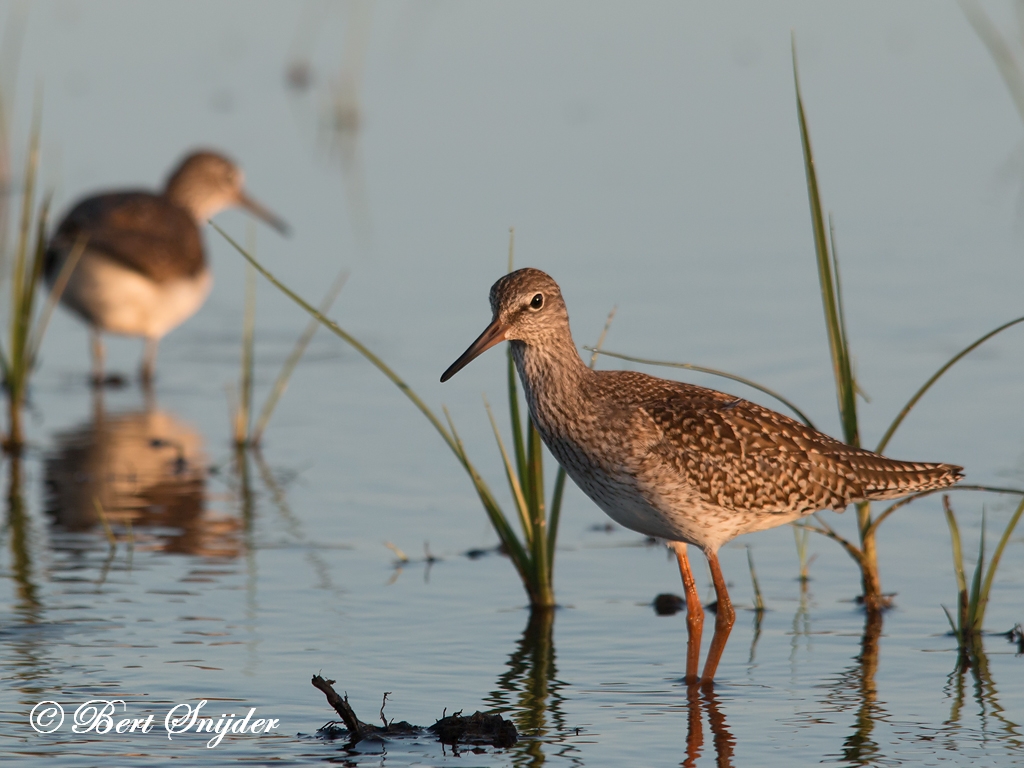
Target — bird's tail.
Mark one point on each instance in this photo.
(901, 478)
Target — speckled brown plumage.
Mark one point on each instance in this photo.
(680, 462)
(139, 230)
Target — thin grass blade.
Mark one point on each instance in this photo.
(538, 542)
(954, 536)
(997, 556)
(53, 297)
(935, 377)
(285, 374)
(975, 606)
(999, 49)
(518, 441)
(556, 513)
(535, 470)
(952, 624)
(845, 387)
(243, 415)
(513, 546)
(338, 331)
(600, 339)
(522, 507)
(16, 341)
(758, 597)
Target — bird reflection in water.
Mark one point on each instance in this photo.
(530, 692)
(699, 701)
(145, 470)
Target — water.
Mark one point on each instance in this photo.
(648, 159)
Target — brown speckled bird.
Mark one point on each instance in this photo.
(143, 269)
(676, 461)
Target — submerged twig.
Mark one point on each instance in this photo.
(340, 704)
(478, 728)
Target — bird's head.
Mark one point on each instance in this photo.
(526, 306)
(206, 183)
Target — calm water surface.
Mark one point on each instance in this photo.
(649, 159)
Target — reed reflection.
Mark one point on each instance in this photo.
(19, 535)
(24, 638)
(530, 692)
(991, 714)
(855, 687)
(142, 469)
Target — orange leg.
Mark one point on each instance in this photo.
(694, 613)
(724, 619)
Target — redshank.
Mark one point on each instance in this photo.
(143, 269)
(676, 461)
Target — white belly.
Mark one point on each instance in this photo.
(119, 300)
(673, 510)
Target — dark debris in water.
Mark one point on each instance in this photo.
(1016, 635)
(476, 553)
(668, 604)
(477, 729)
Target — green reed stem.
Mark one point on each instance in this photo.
(829, 283)
(758, 597)
(243, 413)
(17, 359)
(971, 604)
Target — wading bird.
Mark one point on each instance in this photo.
(142, 269)
(676, 461)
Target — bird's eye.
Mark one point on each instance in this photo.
(537, 301)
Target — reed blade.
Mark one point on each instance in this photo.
(936, 376)
(556, 513)
(954, 536)
(243, 414)
(758, 597)
(53, 297)
(341, 333)
(292, 361)
(997, 556)
(975, 606)
(841, 369)
(509, 539)
(522, 506)
(518, 441)
(952, 624)
(538, 541)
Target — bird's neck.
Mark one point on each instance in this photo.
(200, 205)
(554, 379)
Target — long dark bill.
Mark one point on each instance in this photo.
(493, 334)
(260, 211)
